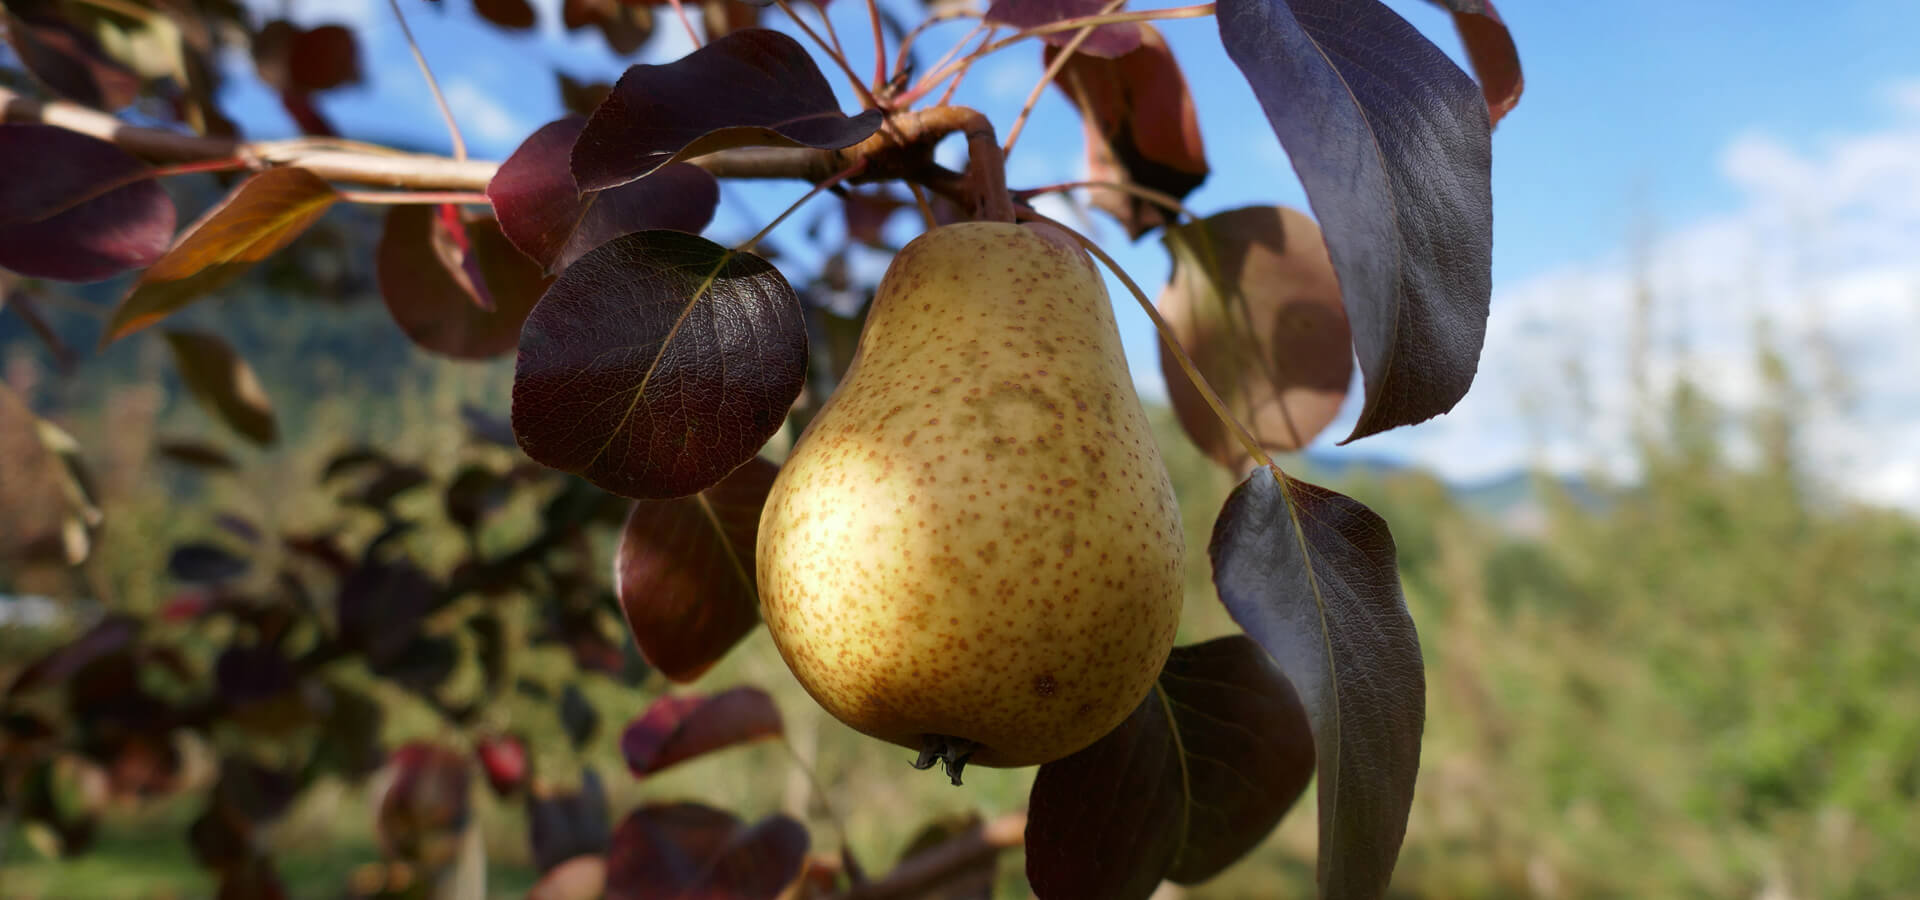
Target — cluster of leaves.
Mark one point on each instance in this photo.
(655, 364)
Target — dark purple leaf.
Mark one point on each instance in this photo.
(1390, 140)
(578, 718)
(253, 675)
(224, 384)
(1491, 51)
(201, 563)
(353, 459)
(474, 493)
(422, 666)
(70, 62)
(428, 278)
(547, 218)
(514, 15)
(380, 608)
(676, 729)
(685, 571)
(1193, 780)
(114, 634)
(238, 526)
(685, 850)
(657, 364)
(626, 27)
(258, 218)
(750, 88)
(1310, 575)
(196, 454)
(1140, 126)
(76, 208)
(561, 826)
(1108, 41)
(1254, 302)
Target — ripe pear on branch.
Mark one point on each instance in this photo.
(974, 550)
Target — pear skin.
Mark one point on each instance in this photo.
(974, 549)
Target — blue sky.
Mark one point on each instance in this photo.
(1772, 162)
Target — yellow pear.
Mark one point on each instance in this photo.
(974, 550)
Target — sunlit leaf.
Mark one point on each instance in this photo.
(678, 728)
(1255, 304)
(1107, 41)
(774, 96)
(1490, 49)
(427, 278)
(682, 850)
(224, 384)
(545, 216)
(1390, 140)
(1141, 128)
(658, 363)
(260, 216)
(1310, 575)
(76, 208)
(1193, 780)
(685, 571)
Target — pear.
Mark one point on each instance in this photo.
(974, 549)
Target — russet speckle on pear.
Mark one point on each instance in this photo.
(976, 539)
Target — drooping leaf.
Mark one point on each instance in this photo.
(514, 15)
(1496, 62)
(70, 61)
(204, 563)
(1109, 41)
(427, 274)
(1199, 774)
(1255, 304)
(224, 384)
(50, 512)
(678, 728)
(196, 454)
(562, 825)
(681, 850)
(685, 571)
(1140, 125)
(578, 718)
(1390, 140)
(657, 114)
(658, 363)
(547, 218)
(76, 208)
(260, 216)
(1310, 575)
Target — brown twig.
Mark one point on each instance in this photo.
(918, 875)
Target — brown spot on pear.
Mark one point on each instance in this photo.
(911, 608)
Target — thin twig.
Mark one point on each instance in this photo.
(840, 59)
(1039, 87)
(879, 44)
(440, 100)
(1145, 193)
(927, 84)
(465, 198)
(845, 174)
(681, 12)
(926, 210)
(904, 57)
(953, 86)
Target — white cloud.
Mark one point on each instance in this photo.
(480, 115)
(1825, 248)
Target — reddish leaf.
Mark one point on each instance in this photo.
(195, 454)
(76, 208)
(430, 291)
(1255, 304)
(291, 58)
(774, 95)
(685, 572)
(686, 850)
(723, 17)
(70, 62)
(1107, 41)
(1140, 127)
(658, 363)
(626, 26)
(516, 15)
(504, 760)
(676, 729)
(1390, 140)
(542, 213)
(1310, 575)
(224, 384)
(1192, 781)
(1490, 49)
(564, 825)
(261, 215)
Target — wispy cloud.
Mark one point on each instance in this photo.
(482, 116)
